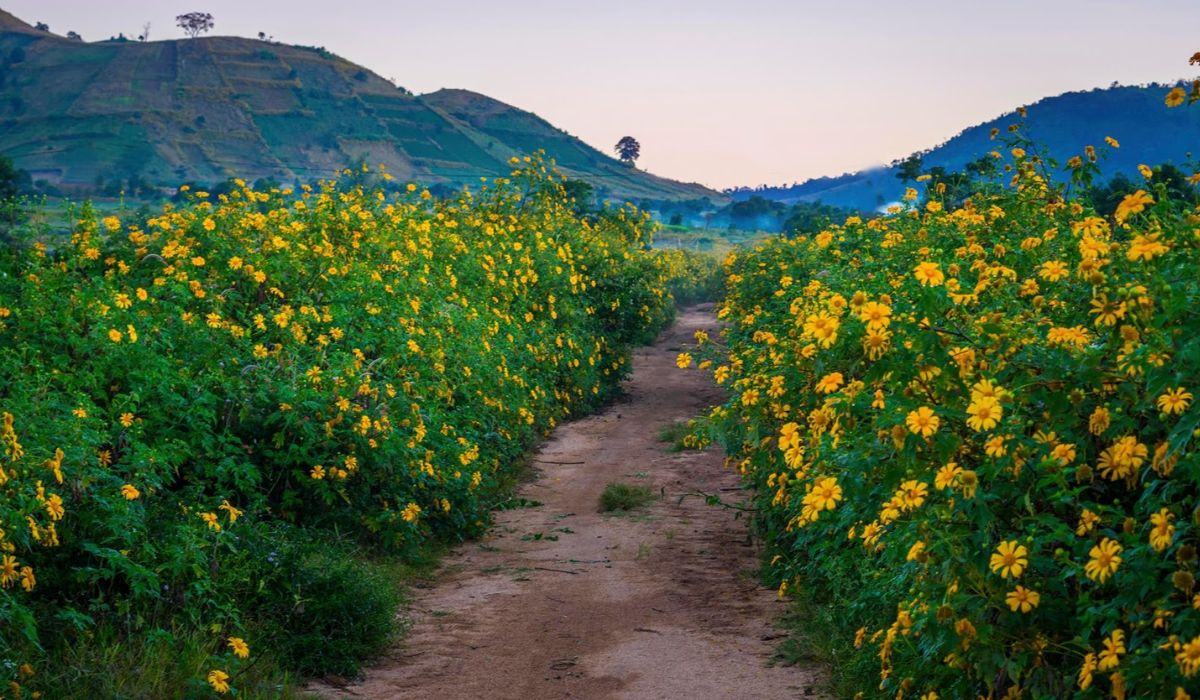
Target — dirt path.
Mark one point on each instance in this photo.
(656, 604)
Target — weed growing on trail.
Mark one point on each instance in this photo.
(624, 497)
(674, 434)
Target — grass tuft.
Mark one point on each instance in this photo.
(618, 496)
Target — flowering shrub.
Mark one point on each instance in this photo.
(331, 357)
(973, 428)
(692, 277)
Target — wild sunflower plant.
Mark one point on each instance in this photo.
(971, 425)
(332, 357)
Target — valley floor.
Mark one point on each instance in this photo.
(562, 601)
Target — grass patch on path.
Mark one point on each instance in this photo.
(624, 497)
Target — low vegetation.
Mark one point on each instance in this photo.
(624, 497)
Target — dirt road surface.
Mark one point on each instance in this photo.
(562, 601)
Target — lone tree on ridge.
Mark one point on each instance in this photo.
(195, 23)
(628, 149)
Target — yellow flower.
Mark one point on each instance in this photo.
(823, 328)
(211, 520)
(28, 580)
(239, 647)
(8, 570)
(1009, 559)
(1086, 670)
(947, 475)
(127, 419)
(232, 512)
(1054, 270)
(923, 421)
(1123, 458)
(1176, 96)
(114, 335)
(1114, 648)
(130, 492)
(1107, 312)
(1188, 657)
(984, 413)
(1022, 599)
(1104, 560)
(1087, 521)
(1063, 453)
(1134, 203)
(219, 680)
(929, 274)
(683, 361)
(875, 342)
(317, 472)
(830, 383)
(411, 512)
(825, 494)
(1146, 247)
(1162, 530)
(875, 315)
(1175, 401)
(915, 552)
(912, 494)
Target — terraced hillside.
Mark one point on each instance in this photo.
(204, 109)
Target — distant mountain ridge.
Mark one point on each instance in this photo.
(75, 113)
(1148, 132)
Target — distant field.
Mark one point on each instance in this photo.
(715, 241)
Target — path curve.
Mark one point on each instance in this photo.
(658, 604)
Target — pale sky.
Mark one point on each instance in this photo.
(723, 93)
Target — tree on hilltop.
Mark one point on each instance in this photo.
(628, 149)
(195, 23)
(909, 168)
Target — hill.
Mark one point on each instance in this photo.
(1147, 130)
(75, 114)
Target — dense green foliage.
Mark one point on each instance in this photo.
(971, 437)
(190, 398)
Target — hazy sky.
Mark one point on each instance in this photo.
(723, 93)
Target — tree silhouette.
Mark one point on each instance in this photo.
(628, 149)
(194, 23)
(909, 168)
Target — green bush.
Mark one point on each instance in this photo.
(335, 359)
(971, 432)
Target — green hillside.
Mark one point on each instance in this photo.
(72, 113)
